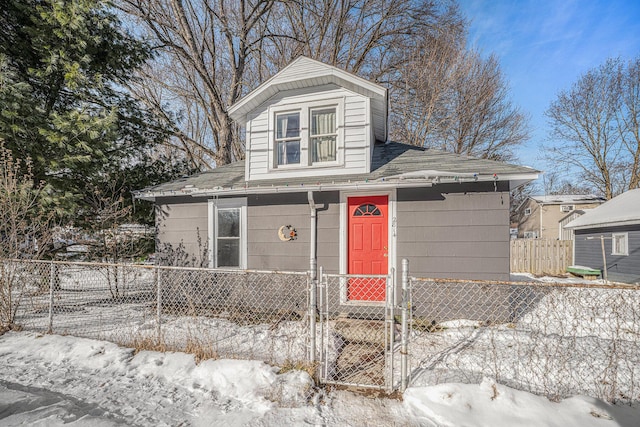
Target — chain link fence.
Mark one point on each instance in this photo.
(210, 312)
(551, 339)
(547, 338)
(357, 330)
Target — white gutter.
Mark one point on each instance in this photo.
(151, 195)
(379, 184)
(433, 174)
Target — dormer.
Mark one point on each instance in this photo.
(311, 119)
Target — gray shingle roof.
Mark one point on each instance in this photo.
(621, 210)
(390, 161)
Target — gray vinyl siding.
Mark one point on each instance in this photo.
(446, 231)
(182, 221)
(267, 213)
(620, 268)
(454, 231)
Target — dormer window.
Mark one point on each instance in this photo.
(324, 134)
(306, 135)
(288, 138)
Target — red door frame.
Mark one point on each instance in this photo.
(367, 246)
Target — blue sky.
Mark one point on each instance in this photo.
(545, 45)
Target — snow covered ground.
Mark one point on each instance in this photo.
(52, 380)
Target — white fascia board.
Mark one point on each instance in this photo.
(603, 225)
(240, 109)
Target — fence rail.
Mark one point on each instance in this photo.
(541, 256)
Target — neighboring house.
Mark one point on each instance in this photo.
(567, 233)
(321, 185)
(540, 217)
(616, 223)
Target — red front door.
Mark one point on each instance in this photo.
(368, 246)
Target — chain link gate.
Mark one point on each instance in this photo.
(358, 339)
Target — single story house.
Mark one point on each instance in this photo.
(321, 185)
(616, 224)
(541, 217)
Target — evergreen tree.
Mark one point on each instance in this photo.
(64, 68)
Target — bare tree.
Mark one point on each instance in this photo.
(629, 119)
(422, 82)
(596, 125)
(457, 101)
(212, 52)
(203, 50)
(557, 182)
(25, 232)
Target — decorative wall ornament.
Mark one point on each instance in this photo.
(287, 233)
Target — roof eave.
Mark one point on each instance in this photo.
(240, 109)
(603, 224)
(382, 183)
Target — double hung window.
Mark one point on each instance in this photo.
(619, 244)
(228, 235)
(288, 138)
(306, 135)
(324, 134)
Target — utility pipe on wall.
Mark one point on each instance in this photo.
(313, 266)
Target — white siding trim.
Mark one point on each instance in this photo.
(305, 72)
(247, 151)
(368, 129)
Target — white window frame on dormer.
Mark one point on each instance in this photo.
(287, 139)
(305, 110)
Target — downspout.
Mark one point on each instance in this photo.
(313, 267)
(540, 224)
(313, 262)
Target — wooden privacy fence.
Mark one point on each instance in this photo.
(541, 256)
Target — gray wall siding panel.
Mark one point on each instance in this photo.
(267, 213)
(459, 231)
(182, 221)
(619, 268)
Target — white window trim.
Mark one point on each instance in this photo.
(527, 211)
(287, 139)
(625, 237)
(344, 230)
(571, 208)
(214, 205)
(304, 108)
(336, 134)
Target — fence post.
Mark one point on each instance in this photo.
(322, 287)
(389, 329)
(52, 285)
(405, 325)
(158, 305)
(313, 301)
